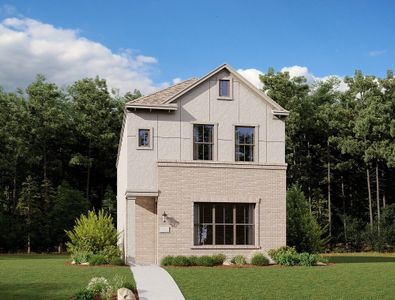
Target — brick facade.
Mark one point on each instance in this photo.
(181, 184)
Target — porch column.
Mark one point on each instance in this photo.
(130, 230)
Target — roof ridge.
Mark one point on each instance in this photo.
(162, 90)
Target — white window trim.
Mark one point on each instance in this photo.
(215, 141)
(230, 89)
(256, 143)
(151, 141)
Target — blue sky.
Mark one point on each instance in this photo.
(181, 39)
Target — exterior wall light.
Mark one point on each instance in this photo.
(164, 216)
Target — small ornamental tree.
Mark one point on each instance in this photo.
(94, 234)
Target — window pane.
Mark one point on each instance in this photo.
(224, 88)
(248, 153)
(219, 234)
(144, 137)
(219, 213)
(229, 234)
(228, 213)
(207, 152)
(203, 235)
(198, 133)
(206, 213)
(245, 213)
(208, 133)
(238, 153)
(244, 235)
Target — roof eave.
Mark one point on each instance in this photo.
(168, 107)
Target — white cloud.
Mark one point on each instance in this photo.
(29, 47)
(294, 71)
(177, 80)
(252, 75)
(376, 52)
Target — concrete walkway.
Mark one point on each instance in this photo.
(154, 283)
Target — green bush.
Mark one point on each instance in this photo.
(205, 261)
(81, 257)
(116, 261)
(239, 260)
(98, 285)
(93, 233)
(286, 256)
(194, 260)
(307, 260)
(303, 230)
(259, 260)
(218, 259)
(167, 260)
(181, 261)
(121, 282)
(84, 294)
(97, 259)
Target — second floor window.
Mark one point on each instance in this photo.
(203, 142)
(144, 138)
(244, 143)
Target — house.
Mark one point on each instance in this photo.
(201, 170)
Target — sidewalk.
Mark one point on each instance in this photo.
(154, 283)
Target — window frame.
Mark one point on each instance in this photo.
(215, 141)
(254, 224)
(254, 145)
(230, 80)
(150, 135)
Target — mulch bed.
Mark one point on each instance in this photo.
(68, 263)
(246, 266)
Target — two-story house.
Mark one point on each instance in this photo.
(201, 170)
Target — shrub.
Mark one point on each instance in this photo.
(239, 260)
(181, 261)
(121, 282)
(98, 285)
(286, 256)
(92, 233)
(81, 257)
(307, 260)
(167, 260)
(205, 261)
(97, 259)
(194, 260)
(259, 260)
(84, 294)
(116, 261)
(218, 259)
(303, 230)
(110, 252)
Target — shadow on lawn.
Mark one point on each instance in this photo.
(360, 259)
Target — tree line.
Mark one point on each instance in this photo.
(58, 151)
(59, 145)
(340, 150)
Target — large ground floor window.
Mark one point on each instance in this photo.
(224, 223)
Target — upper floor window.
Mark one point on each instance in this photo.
(203, 142)
(244, 143)
(144, 138)
(224, 88)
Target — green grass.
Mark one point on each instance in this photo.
(362, 276)
(47, 276)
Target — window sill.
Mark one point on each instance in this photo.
(227, 247)
(144, 148)
(225, 98)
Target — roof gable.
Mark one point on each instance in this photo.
(166, 98)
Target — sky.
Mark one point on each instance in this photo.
(149, 44)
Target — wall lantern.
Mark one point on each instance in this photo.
(164, 216)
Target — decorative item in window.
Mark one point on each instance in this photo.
(144, 138)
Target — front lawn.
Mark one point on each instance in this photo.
(47, 276)
(365, 276)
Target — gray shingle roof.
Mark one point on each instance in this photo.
(162, 96)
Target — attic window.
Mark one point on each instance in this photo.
(144, 138)
(224, 88)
